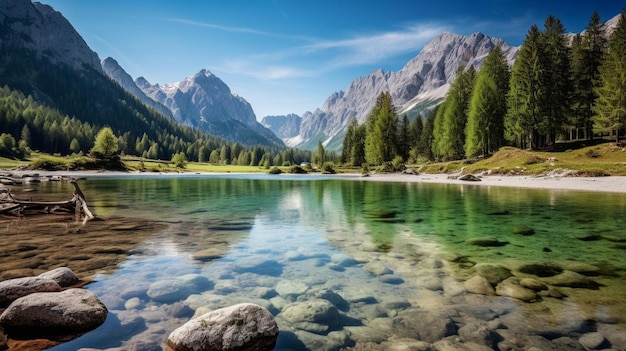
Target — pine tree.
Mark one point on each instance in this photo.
(105, 144)
(427, 138)
(381, 136)
(487, 108)
(358, 149)
(555, 100)
(404, 138)
(348, 143)
(610, 108)
(451, 120)
(587, 52)
(415, 134)
(437, 147)
(523, 100)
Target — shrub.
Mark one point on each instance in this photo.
(275, 170)
(398, 164)
(179, 160)
(592, 153)
(365, 169)
(327, 168)
(48, 164)
(297, 170)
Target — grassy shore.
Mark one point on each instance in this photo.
(592, 161)
(606, 159)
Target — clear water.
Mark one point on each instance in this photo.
(246, 235)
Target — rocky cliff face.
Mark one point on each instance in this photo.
(38, 27)
(285, 127)
(113, 70)
(206, 102)
(422, 83)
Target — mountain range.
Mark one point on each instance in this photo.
(36, 39)
(42, 55)
(421, 84)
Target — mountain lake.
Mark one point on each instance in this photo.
(398, 262)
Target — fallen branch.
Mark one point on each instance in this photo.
(77, 205)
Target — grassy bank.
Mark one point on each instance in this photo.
(598, 160)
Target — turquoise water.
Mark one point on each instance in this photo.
(284, 240)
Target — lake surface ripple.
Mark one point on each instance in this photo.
(381, 265)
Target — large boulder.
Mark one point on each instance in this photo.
(13, 289)
(240, 327)
(65, 312)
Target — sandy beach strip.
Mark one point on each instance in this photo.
(613, 184)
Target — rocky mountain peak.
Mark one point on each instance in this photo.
(204, 101)
(113, 70)
(38, 27)
(423, 81)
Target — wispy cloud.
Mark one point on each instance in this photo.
(378, 47)
(324, 55)
(244, 30)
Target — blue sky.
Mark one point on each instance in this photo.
(288, 56)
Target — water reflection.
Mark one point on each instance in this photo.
(386, 252)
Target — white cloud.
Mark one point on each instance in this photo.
(244, 30)
(377, 47)
(323, 56)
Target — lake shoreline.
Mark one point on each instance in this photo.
(611, 184)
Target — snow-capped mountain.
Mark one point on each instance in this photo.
(206, 102)
(422, 83)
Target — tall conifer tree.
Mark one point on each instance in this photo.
(382, 131)
(487, 107)
(610, 105)
(587, 52)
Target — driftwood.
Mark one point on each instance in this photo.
(77, 205)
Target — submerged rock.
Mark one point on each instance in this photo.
(314, 315)
(479, 285)
(428, 326)
(512, 288)
(571, 279)
(541, 269)
(592, 341)
(494, 273)
(171, 290)
(240, 327)
(291, 288)
(259, 265)
(523, 230)
(487, 242)
(65, 312)
(377, 268)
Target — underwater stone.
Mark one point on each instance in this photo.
(541, 269)
(492, 272)
(486, 242)
(479, 285)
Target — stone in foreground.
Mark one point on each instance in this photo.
(13, 289)
(65, 312)
(242, 327)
